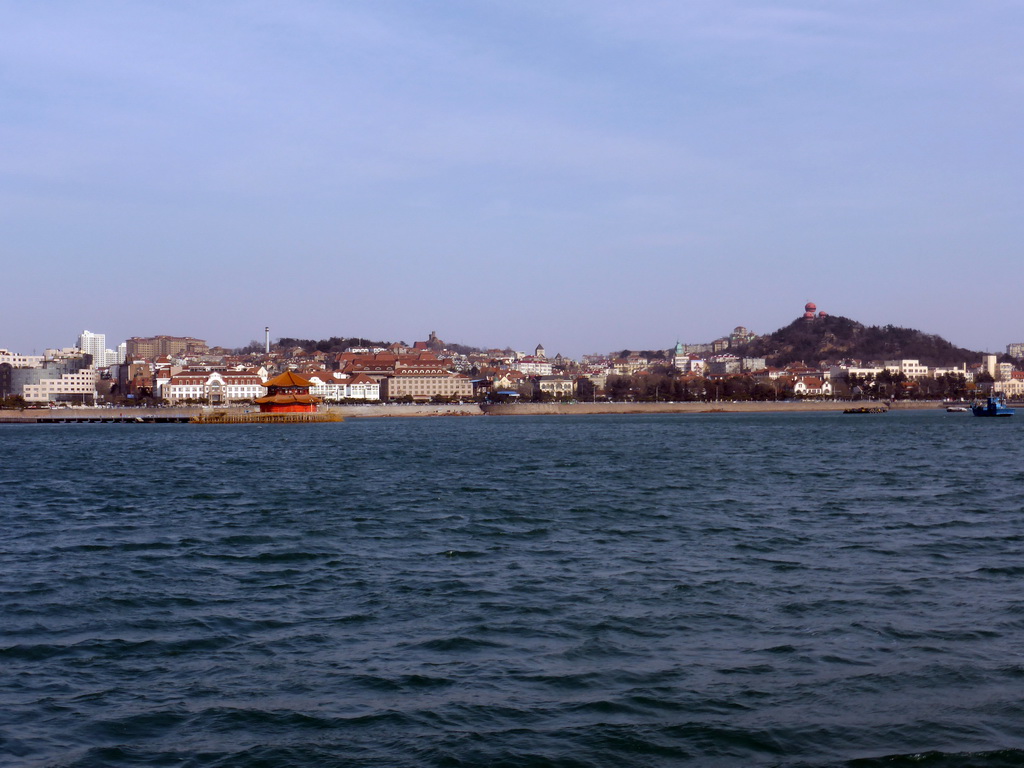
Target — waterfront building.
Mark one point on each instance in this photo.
(335, 387)
(211, 387)
(423, 385)
(66, 377)
(560, 387)
(362, 387)
(1013, 387)
(808, 386)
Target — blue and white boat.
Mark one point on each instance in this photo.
(993, 406)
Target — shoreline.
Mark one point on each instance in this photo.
(386, 410)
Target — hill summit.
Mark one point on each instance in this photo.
(831, 338)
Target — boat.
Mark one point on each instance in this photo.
(866, 409)
(957, 409)
(993, 406)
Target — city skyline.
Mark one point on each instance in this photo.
(585, 176)
(89, 342)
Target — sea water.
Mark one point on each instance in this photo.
(705, 589)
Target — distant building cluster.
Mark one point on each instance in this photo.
(182, 370)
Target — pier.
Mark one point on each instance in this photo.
(93, 417)
(162, 416)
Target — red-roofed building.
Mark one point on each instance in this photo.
(214, 388)
(288, 393)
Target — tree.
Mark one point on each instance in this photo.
(618, 387)
(585, 389)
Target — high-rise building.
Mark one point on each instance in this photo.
(94, 344)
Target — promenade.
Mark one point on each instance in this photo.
(384, 410)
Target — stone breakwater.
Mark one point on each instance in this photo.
(537, 409)
(382, 410)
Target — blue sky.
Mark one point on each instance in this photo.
(587, 174)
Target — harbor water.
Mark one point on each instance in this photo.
(687, 589)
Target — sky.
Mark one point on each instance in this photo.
(589, 175)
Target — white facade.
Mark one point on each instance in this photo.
(95, 344)
(680, 360)
(557, 386)
(20, 361)
(334, 389)
(1012, 388)
(425, 386)
(809, 387)
(843, 371)
(962, 371)
(533, 366)
(988, 363)
(212, 387)
(81, 384)
(912, 369)
(695, 364)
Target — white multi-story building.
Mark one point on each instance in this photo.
(557, 386)
(95, 344)
(77, 387)
(953, 371)
(912, 369)
(20, 361)
(680, 359)
(215, 388)
(334, 387)
(421, 385)
(532, 365)
(989, 363)
(845, 371)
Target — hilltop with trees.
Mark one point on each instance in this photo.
(834, 338)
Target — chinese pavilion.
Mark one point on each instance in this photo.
(288, 393)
